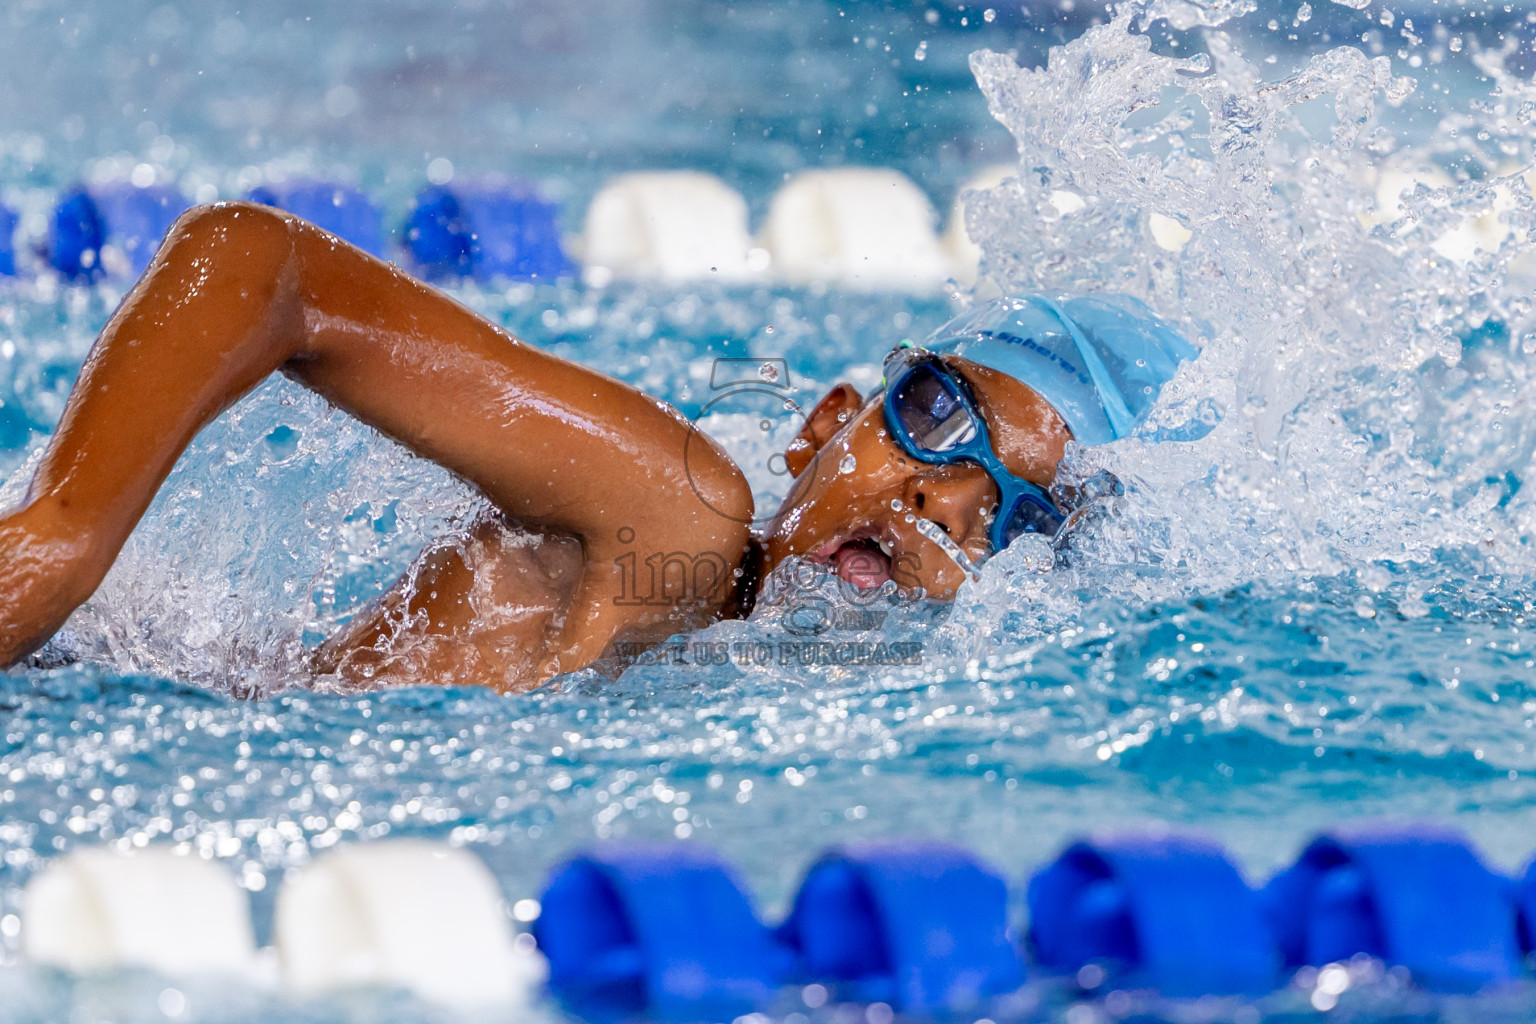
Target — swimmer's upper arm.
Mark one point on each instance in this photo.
(555, 445)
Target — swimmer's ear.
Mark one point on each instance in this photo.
(827, 418)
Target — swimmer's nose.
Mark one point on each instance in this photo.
(955, 501)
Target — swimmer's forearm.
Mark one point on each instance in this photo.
(207, 322)
(210, 319)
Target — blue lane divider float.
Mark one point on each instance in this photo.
(485, 230)
(921, 926)
(1525, 910)
(7, 241)
(659, 927)
(340, 209)
(1416, 897)
(1168, 911)
(128, 219)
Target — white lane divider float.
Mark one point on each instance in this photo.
(407, 914)
(862, 228)
(404, 914)
(101, 909)
(669, 226)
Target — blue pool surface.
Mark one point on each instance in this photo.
(1316, 610)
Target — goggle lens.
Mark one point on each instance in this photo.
(940, 423)
(933, 411)
(1028, 517)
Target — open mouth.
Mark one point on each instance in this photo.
(863, 561)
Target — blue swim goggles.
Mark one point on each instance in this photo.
(931, 413)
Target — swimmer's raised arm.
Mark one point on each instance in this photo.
(238, 291)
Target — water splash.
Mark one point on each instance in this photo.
(945, 543)
(1358, 370)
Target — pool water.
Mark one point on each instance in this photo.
(1310, 605)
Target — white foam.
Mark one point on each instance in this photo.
(864, 228)
(406, 913)
(670, 226)
(101, 909)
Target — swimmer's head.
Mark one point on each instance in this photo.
(1039, 371)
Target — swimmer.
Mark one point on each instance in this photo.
(939, 470)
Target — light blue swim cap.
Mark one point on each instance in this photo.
(1100, 361)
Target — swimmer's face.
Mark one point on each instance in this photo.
(857, 494)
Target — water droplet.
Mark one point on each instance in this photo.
(896, 505)
(922, 51)
(1375, 578)
(848, 464)
(1304, 13)
(989, 15)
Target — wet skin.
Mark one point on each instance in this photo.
(584, 472)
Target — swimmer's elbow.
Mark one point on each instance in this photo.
(248, 230)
